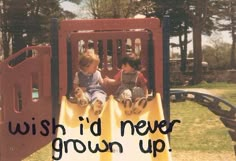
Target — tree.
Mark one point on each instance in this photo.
(185, 14)
(233, 48)
(202, 14)
(111, 8)
(226, 21)
(198, 16)
(6, 36)
(27, 22)
(217, 54)
(179, 21)
(197, 11)
(233, 28)
(16, 15)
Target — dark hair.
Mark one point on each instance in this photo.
(133, 61)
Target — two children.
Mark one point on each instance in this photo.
(132, 90)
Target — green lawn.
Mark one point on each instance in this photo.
(201, 135)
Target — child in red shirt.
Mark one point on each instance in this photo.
(132, 90)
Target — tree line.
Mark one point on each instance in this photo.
(27, 22)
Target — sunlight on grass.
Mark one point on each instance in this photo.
(215, 85)
(199, 129)
(44, 154)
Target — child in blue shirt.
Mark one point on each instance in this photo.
(89, 80)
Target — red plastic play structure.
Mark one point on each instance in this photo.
(17, 82)
(33, 80)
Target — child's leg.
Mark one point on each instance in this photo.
(139, 99)
(125, 94)
(126, 98)
(98, 101)
(82, 97)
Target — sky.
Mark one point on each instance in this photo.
(79, 10)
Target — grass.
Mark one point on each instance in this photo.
(199, 129)
(43, 154)
(218, 85)
(199, 137)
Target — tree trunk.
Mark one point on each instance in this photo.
(232, 57)
(115, 8)
(197, 53)
(183, 49)
(5, 35)
(233, 18)
(18, 42)
(6, 45)
(199, 20)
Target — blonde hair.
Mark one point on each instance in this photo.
(87, 58)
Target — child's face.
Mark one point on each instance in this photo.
(91, 68)
(127, 68)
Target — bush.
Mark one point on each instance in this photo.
(217, 56)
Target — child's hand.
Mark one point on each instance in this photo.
(110, 81)
(106, 80)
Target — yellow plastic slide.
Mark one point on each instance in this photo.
(112, 135)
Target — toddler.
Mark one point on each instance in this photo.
(132, 90)
(88, 82)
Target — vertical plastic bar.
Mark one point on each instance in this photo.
(114, 53)
(110, 54)
(166, 80)
(151, 68)
(100, 52)
(123, 47)
(69, 68)
(95, 45)
(54, 66)
(104, 60)
(1, 109)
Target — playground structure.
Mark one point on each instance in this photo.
(36, 82)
